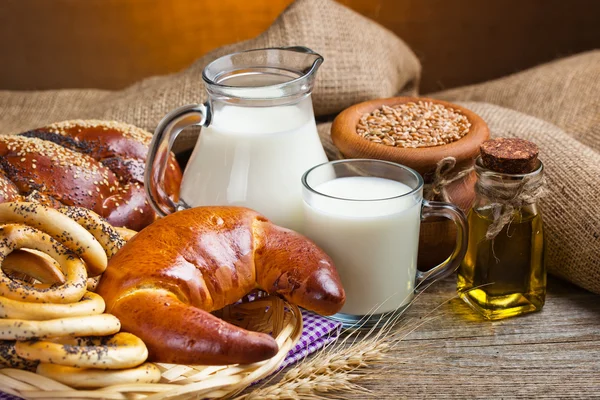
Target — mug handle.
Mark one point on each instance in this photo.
(160, 148)
(450, 211)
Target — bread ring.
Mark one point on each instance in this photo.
(126, 233)
(90, 304)
(94, 378)
(92, 283)
(104, 232)
(122, 350)
(91, 325)
(9, 357)
(33, 264)
(62, 228)
(18, 236)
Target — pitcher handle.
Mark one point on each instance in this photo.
(441, 209)
(160, 149)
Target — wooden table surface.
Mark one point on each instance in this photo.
(554, 353)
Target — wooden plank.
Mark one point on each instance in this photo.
(551, 354)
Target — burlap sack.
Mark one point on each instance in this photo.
(571, 211)
(565, 92)
(362, 60)
(365, 61)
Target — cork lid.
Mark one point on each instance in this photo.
(509, 155)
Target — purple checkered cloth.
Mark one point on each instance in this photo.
(317, 332)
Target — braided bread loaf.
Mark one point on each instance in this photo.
(98, 165)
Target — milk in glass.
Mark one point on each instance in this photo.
(254, 157)
(372, 243)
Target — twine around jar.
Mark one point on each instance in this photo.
(506, 199)
(444, 175)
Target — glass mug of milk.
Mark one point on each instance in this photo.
(366, 215)
(258, 136)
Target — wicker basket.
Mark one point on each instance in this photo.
(265, 314)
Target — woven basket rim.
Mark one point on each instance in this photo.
(178, 381)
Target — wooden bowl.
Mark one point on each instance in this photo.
(437, 236)
(423, 159)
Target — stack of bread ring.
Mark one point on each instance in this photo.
(51, 321)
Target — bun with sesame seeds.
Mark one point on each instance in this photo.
(98, 165)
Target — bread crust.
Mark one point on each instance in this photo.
(98, 165)
(88, 378)
(166, 280)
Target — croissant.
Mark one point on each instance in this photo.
(166, 280)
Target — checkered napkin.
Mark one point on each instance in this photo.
(317, 332)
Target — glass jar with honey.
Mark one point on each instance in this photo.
(503, 273)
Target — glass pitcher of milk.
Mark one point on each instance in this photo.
(258, 136)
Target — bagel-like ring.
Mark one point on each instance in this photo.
(62, 228)
(96, 378)
(126, 233)
(90, 325)
(92, 283)
(10, 359)
(33, 264)
(108, 237)
(15, 237)
(119, 351)
(90, 304)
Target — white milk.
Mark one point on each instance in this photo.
(255, 157)
(372, 243)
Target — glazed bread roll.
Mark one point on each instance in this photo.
(164, 282)
(98, 165)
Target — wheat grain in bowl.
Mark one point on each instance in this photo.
(420, 124)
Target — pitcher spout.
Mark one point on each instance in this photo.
(284, 73)
(309, 62)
